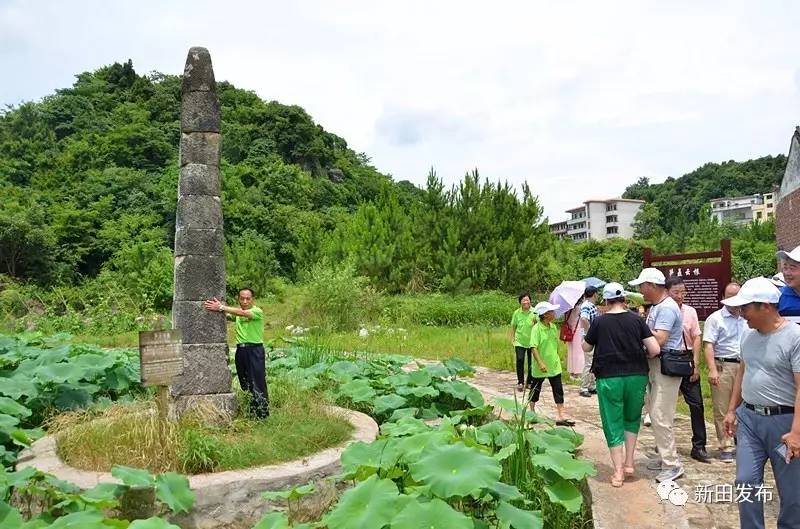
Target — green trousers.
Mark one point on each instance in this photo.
(621, 400)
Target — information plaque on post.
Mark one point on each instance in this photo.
(705, 275)
(160, 359)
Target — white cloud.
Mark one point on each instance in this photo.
(578, 98)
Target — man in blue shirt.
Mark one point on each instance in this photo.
(789, 304)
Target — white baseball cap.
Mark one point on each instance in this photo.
(613, 290)
(649, 275)
(544, 306)
(756, 290)
(794, 255)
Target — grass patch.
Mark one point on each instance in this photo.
(132, 434)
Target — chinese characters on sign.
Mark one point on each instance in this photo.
(705, 281)
(160, 358)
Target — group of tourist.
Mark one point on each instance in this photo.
(638, 365)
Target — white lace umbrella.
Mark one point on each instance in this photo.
(566, 295)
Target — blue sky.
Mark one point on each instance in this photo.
(578, 99)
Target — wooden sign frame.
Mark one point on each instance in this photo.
(705, 279)
(160, 357)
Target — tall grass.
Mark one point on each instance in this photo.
(133, 434)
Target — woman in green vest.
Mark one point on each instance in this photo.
(522, 322)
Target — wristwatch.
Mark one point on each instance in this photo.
(221, 308)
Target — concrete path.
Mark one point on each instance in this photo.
(636, 504)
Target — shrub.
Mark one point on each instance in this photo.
(489, 308)
(335, 298)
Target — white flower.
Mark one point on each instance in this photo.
(363, 333)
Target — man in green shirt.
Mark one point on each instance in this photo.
(250, 356)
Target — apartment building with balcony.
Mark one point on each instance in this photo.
(600, 220)
(746, 209)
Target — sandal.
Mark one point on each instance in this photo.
(615, 482)
(628, 471)
(565, 422)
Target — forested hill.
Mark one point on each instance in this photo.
(94, 166)
(678, 201)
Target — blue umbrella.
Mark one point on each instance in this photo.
(595, 282)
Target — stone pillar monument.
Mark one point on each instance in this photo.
(199, 242)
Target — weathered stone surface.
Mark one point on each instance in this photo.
(199, 277)
(198, 242)
(200, 112)
(199, 179)
(205, 370)
(200, 148)
(198, 325)
(199, 212)
(198, 74)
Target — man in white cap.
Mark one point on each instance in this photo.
(666, 323)
(789, 305)
(761, 412)
(722, 335)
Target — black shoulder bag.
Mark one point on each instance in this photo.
(675, 363)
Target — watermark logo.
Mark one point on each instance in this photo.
(673, 493)
(669, 491)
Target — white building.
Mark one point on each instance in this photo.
(744, 210)
(602, 219)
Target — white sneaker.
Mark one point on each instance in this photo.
(646, 421)
(669, 474)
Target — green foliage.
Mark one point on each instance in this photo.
(336, 298)
(451, 310)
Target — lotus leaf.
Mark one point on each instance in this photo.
(543, 441)
(152, 523)
(435, 514)
(382, 453)
(133, 477)
(70, 397)
(412, 446)
(458, 367)
(404, 426)
(387, 403)
(103, 493)
(564, 465)
(438, 371)
(506, 452)
(372, 503)
(173, 489)
(59, 373)
(513, 517)
(417, 391)
(11, 407)
(273, 520)
(294, 493)
(455, 470)
(357, 390)
(569, 434)
(565, 494)
(17, 387)
(420, 377)
(504, 491)
(7, 421)
(10, 518)
(80, 520)
(403, 412)
(461, 390)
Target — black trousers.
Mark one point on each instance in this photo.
(693, 396)
(520, 352)
(555, 385)
(251, 370)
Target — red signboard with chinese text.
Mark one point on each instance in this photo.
(705, 275)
